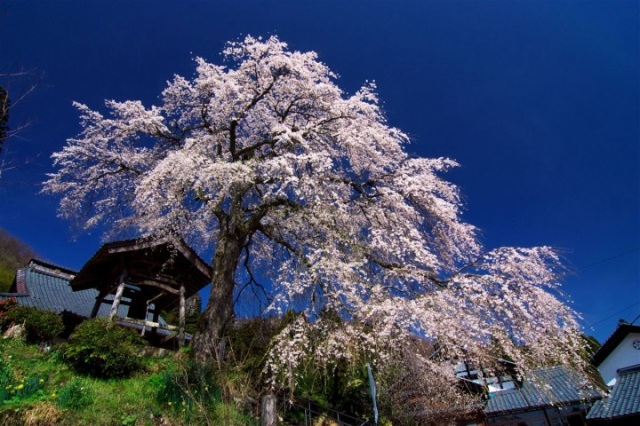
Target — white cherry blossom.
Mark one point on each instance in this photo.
(267, 160)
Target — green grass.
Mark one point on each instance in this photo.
(39, 388)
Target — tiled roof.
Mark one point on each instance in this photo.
(624, 399)
(165, 261)
(544, 387)
(46, 287)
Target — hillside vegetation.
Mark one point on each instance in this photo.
(39, 388)
(14, 254)
(107, 375)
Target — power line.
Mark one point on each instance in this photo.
(616, 313)
(607, 259)
(615, 256)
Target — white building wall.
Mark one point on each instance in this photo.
(624, 355)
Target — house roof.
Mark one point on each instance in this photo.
(48, 287)
(624, 399)
(623, 329)
(544, 387)
(45, 286)
(158, 266)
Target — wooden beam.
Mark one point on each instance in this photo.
(156, 318)
(96, 306)
(193, 258)
(177, 244)
(138, 245)
(155, 312)
(162, 286)
(118, 296)
(151, 324)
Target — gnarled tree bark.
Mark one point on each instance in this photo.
(208, 342)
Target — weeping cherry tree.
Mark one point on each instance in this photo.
(293, 181)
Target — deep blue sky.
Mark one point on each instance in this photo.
(537, 99)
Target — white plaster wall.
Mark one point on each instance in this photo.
(625, 355)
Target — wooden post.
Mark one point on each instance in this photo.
(96, 306)
(156, 318)
(269, 411)
(146, 318)
(182, 317)
(118, 296)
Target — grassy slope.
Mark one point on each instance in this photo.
(59, 396)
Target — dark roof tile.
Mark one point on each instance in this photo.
(47, 287)
(544, 387)
(624, 399)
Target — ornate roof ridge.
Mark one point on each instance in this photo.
(50, 269)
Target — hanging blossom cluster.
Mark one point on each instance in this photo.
(319, 192)
(302, 345)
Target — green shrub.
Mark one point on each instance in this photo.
(188, 390)
(40, 326)
(182, 385)
(74, 395)
(101, 349)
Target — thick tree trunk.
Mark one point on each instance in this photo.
(208, 343)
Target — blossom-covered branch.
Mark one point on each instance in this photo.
(272, 164)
